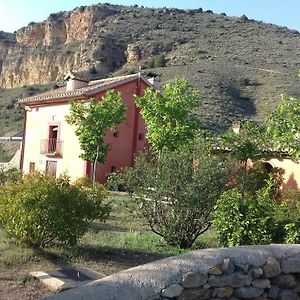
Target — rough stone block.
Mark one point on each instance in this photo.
(291, 265)
(248, 292)
(196, 294)
(297, 288)
(225, 292)
(257, 272)
(261, 283)
(285, 281)
(272, 268)
(235, 280)
(173, 290)
(287, 295)
(262, 297)
(273, 292)
(227, 266)
(216, 270)
(242, 267)
(194, 279)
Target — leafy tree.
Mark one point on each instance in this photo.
(245, 219)
(38, 209)
(93, 119)
(177, 198)
(249, 143)
(168, 115)
(284, 126)
(255, 218)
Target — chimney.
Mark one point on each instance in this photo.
(154, 79)
(76, 81)
(236, 126)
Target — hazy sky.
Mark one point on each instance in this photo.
(15, 14)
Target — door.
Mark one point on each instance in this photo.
(51, 168)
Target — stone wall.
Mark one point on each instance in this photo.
(249, 272)
(275, 279)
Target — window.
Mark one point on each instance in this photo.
(141, 136)
(51, 168)
(52, 145)
(53, 135)
(31, 167)
(113, 169)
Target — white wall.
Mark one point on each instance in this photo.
(37, 129)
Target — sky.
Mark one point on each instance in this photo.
(15, 14)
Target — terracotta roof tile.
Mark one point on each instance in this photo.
(93, 87)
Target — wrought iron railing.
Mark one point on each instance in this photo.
(51, 147)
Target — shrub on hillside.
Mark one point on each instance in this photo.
(177, 193)
(38, 209)
(158, 61)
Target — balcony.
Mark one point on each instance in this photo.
(52, 147)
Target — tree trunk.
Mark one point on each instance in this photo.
(244, 177)
(95, 165)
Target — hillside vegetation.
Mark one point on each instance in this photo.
(241, 66)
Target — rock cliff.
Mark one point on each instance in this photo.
(43, 52)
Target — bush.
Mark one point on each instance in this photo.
(177, 193)
(258, 177)
(10, 174)
(257, 218)
(38, 209)
(157, 61)
(245, 219)
(116, 182)
(288, 222)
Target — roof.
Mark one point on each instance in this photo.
(93, 87)
(77, 76)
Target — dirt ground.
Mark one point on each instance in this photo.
(16, 284)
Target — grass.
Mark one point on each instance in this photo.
(124, 240)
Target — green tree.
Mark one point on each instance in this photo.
(177, 198)
(284, 127)
(247, 144)
(92, 120)
(168, 115)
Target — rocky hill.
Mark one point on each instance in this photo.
(241, 66)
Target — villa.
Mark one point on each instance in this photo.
(49, 142)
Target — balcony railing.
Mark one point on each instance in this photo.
(51, 147)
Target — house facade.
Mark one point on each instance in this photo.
(49, 142)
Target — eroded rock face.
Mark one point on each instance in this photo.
(44, 52)
(63, 27)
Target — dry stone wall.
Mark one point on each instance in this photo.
(250, 272)
(275, 279)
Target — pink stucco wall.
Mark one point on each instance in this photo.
(126, 144)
